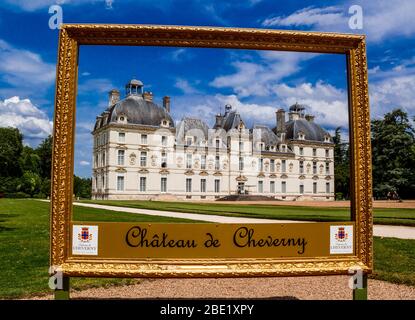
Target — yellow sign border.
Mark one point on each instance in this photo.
(352, 46)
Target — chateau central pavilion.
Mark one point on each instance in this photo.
(140, 153)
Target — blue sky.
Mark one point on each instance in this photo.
(201, 81)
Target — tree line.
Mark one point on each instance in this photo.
(26, 172)
(393, 158)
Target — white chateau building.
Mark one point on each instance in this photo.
(140, 153)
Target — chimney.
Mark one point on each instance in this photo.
(219, 120)
(147, 95)
(166, 103)
(280, 120)
(114, 97)
(309, 118)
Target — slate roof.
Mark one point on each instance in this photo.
(139, 111)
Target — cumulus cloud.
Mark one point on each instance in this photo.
(381, 18)
(24, 69)
(29, 119)
(185, 86)
(257, 78)
(328, 103)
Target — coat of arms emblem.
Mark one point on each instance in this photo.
(85, 235)
(341, 235)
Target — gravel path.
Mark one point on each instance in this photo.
(303, 288)
(378, 230)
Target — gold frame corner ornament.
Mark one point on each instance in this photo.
(73, 35)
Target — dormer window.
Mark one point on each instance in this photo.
(301, 135)
(326, 138)
(165, 123)
(122, 119)
(189, 141)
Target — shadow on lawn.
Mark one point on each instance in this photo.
(4, 218)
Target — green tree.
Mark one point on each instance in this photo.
(29, 160)
(30, 183)
(393, 147)
(11, 146)
(44, 151)
(82, 187)
(341, 166)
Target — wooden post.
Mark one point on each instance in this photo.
(361, 293)
(63, 294)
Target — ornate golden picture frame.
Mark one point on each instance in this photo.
(354, 49)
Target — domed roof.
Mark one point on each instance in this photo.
(136, 83)
(311, 130)
(139, 111)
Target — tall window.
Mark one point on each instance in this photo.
(217, 164)
(301, 188)
(143, 139)
(96, 160)
(103, 182)
(143, 184)
(260, 186)
(261, 164)
(272, 165)
(327, 153)
(143, 159)
(272, 186)
(103, 159)
(217, 143)
(327, 187)
(189, 161)
(241, 146)
(283, 166)
(120, 183)
(327, 168)
(121, 136)
(217, 185)
(314, 167)
(202, 185)
(163, 159)
(164, 141)
(301, 151)
(283, 186)
(241, 163)
(163, 186)
(203, 162)
(314, 187)
(188, 185)
(301, 166)
(121, 154)
(314, 152)
(189, 141)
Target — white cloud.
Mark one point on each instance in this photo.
(24, 69)
(318, 17)
(327, 103)
(257, 79)
(185, 86)
(84, 163)
(381, 19)
(29, 119)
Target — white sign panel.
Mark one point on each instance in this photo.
(85, 240)
(341, 239)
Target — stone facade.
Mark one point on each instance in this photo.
(139, 153)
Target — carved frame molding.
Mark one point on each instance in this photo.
(72, 36)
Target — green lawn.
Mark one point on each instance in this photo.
(24, 245)
(24, 249)
(404, 217)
